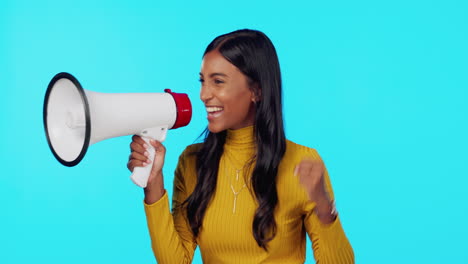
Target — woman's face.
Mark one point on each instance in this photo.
(226, 93)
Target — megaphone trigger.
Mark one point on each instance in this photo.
(140, 175)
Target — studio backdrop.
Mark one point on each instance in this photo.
(379, 88)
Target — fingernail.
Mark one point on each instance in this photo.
(145, 146)
(146, 154)
(148, 161)
(144, 164)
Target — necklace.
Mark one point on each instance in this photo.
(235, 197)
(236, 193)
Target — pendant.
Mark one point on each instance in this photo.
(234, 206)
(235, 197)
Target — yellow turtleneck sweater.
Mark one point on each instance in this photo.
(226, 235)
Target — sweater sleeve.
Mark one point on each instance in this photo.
(171, 238)
(329, 241)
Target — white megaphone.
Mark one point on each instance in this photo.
(75, 118)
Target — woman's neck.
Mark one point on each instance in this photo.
(240, 139)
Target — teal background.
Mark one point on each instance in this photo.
(379, 88)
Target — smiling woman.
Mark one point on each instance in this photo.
(246, 194)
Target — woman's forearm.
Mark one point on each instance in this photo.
(155, 189)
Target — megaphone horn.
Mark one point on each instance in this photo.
(75, 118)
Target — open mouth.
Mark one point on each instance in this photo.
(214, 111)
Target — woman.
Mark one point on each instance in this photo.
(246, 194)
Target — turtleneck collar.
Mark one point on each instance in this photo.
(240, 139)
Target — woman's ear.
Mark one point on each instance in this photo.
(256, 93)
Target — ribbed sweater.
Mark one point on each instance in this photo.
(226, 235)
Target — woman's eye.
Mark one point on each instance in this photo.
(217, 81)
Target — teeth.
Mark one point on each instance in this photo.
(210, 109)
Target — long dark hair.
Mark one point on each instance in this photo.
(254, 55)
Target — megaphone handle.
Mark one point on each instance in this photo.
(140, 175)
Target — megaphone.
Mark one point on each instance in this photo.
(75, 118)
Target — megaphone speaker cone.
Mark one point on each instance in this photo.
(67, 119)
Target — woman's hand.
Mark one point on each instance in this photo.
(139, 157)
(311, 177)
(310, 174)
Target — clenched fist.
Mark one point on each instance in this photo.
(311, 176)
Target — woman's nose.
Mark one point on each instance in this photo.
(205, 93)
